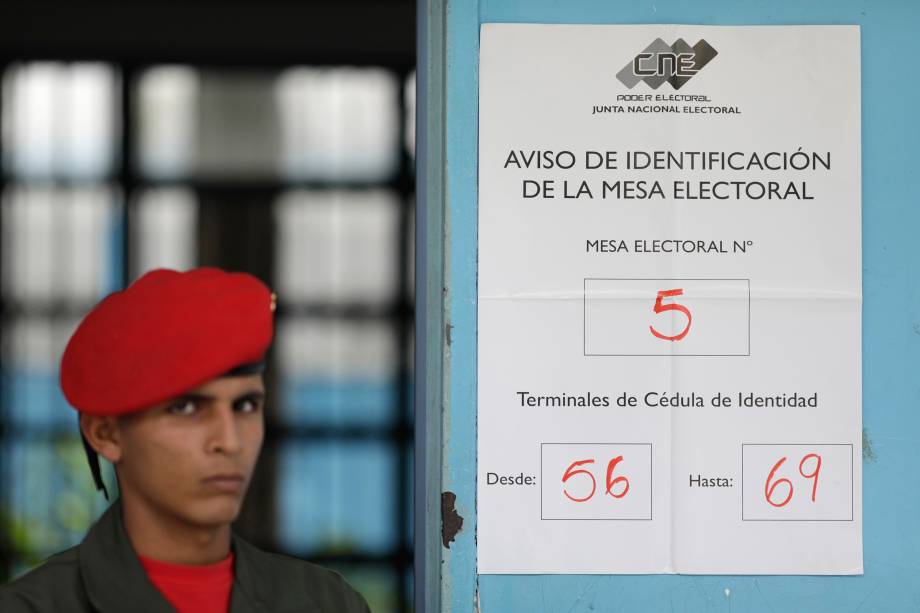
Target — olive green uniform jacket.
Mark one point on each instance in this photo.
(103, 575)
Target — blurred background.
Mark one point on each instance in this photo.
(269, 137)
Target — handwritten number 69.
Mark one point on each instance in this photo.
(770, 486)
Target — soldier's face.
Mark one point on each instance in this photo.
(192, 457)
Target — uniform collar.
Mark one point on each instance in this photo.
(247, 580)
(263, 585)
(113, 577)
(116, 582)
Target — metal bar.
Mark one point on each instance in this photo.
(126, 171)
(5, 553)
(429, 281)
(201, 33)
(403, 334)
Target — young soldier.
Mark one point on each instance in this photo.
(167, 378)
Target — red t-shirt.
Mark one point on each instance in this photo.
(193, 589)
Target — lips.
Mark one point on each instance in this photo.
(230, 483)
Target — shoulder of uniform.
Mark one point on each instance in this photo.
(329, 590)
(56, 580)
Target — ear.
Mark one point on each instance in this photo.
(103, 435)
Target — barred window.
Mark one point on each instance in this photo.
(299, 174)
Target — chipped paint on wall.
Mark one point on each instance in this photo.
(451, 522)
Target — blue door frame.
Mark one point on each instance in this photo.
(446, 577)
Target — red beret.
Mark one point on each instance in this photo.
(167, 333)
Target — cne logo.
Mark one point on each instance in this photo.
(660, 62)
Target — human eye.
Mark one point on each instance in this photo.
(185, 406)
(247, 405)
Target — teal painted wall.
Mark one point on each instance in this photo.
(891, 322)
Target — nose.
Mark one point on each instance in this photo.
(225, 437)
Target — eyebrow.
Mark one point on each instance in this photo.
(197, 397)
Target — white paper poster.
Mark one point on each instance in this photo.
(669, 375)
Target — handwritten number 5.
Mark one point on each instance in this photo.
(661, 308)
(573, 470)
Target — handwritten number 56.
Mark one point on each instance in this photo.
(617, 487)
